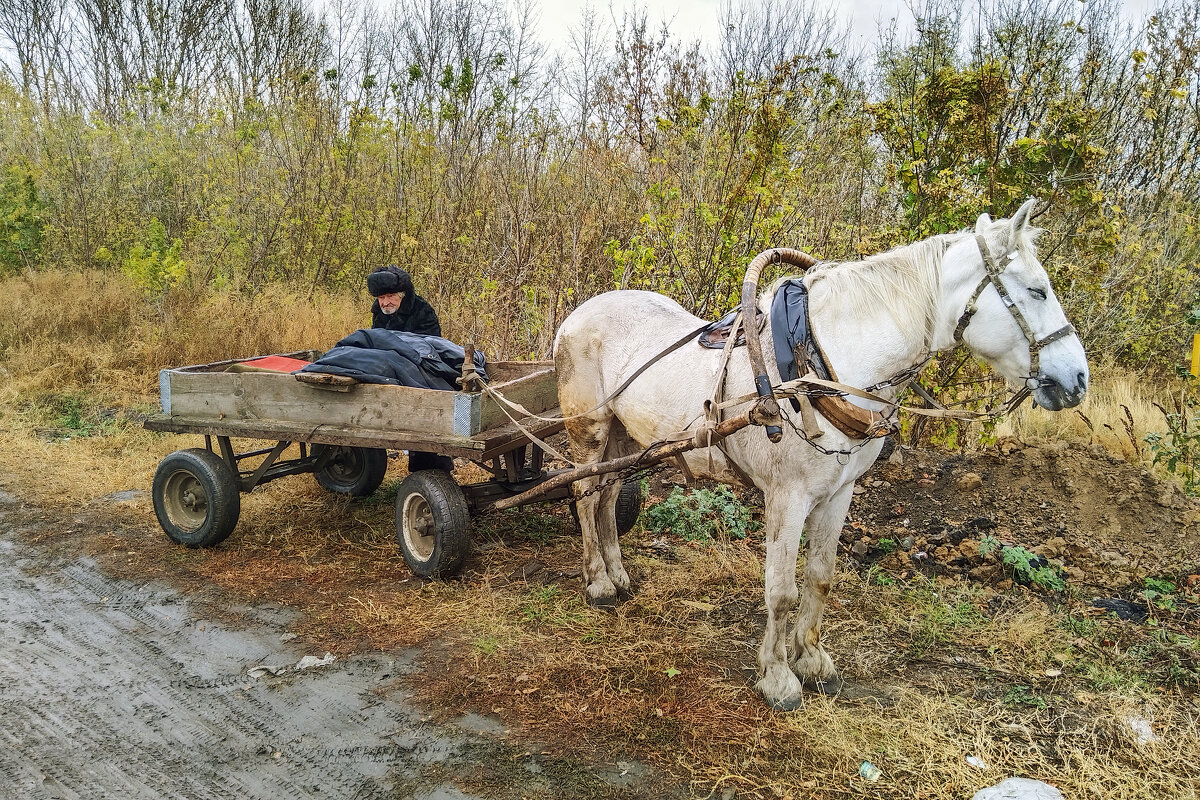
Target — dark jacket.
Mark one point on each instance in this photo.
(414, 315)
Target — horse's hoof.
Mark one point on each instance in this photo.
(785, 704)
(604, 602)
(826, 686)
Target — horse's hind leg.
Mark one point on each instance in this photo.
(597, 513)
(619, 444)
(808, 658)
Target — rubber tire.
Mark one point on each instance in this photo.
(353, 471)
(433, 524)
(628, 508)
(197, 498)
(629, 505)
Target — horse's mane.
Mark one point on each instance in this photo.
(904, 281)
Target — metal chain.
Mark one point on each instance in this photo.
(841, 454)
(903, 377)
(623, 475)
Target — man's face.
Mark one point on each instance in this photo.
(388, 303)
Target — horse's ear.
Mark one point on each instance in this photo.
(1020, 220)
(983, 223)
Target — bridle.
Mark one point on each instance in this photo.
(991, 276)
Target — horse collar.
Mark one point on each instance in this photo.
(991, 276)
(797, 353)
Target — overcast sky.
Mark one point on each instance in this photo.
(692, 19)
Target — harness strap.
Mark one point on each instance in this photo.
(504, 401)
(797, 387)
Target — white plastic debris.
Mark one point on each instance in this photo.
(977, 762)
(266, 669)
(1141, 729)
(1019, 789)
(313, 661)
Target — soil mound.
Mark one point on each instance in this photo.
(1094, 520)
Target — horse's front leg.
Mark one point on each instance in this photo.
(808, 658)
(785, 515)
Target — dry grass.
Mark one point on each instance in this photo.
(1117, 413)
(95, 332)
(943, 671)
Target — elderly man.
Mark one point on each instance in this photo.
(397, 306)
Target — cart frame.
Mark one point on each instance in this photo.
(343, 441)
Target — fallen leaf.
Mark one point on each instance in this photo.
(698, 605)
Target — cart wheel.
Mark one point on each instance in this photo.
(196, 497)
(629, 504)
(354, 471)
(433, 525)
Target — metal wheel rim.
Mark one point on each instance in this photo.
(419, 526)
(185, 500)
(345, 466)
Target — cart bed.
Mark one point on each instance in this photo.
(208, 399)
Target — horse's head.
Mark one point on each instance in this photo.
(1017, 324)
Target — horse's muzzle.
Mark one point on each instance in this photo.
(1054, 396)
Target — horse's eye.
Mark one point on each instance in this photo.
(1040, 294)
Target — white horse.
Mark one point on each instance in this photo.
(873, 318)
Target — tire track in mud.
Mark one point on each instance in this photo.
(112, 690)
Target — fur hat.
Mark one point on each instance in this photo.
(389, 280)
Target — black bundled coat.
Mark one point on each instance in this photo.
(397, 358)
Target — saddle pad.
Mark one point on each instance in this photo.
(717, 333)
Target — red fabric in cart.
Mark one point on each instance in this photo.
(280, 363)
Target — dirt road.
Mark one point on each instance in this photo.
(113, 689)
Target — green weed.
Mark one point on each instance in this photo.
(74, 414)
(1160, 592)
(1027, 568)
(935, 618)
(1024, 696)
(487, 645)
(700, 515)
(1083, 627)
(547, 605)
(1178, 450)
(878, 576)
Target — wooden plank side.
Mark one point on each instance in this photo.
(266, 400)
(269, 398)
(500, 372)
(282, 431)
(537, 392)
(481, 447)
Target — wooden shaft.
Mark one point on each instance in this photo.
(468, 366)
(701, 439)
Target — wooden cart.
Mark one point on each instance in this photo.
(343, 430)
